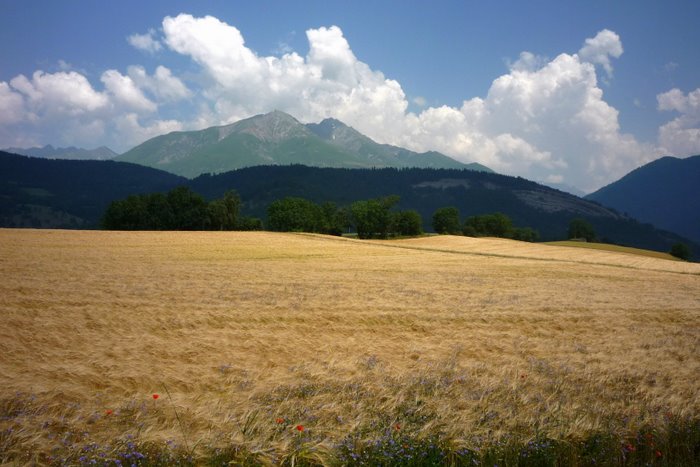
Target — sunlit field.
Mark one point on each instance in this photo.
(293, 348)
(615, 248)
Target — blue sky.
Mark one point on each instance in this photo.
(513, 85)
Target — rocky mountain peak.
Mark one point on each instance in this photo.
(272, 127)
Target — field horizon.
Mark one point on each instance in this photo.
(283, 344)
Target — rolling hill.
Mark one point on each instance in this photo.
(529, 204)
(276, 138)
(665, 192)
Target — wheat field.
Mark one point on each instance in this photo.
(246, 337)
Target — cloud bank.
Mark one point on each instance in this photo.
(545, 119)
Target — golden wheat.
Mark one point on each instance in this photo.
(452, 335)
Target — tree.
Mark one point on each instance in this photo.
(159, 212)
(408, 223)
(332, 219)
(293, 215)
(130, 213)
(373, 217)
(224, 212)
(446, 220)
(681, 250)
(189, 209)
(581, 229)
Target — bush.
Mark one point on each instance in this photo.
(681, 250)
(525, 234)
(488, 225)
(580, 228)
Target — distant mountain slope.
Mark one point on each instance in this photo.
(383, 155)
(275, 138)
(527, 203)
(102, 153)
(665, 192)
(69, 194)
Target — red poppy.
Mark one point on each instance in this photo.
(300, 427)
(630, 447)
(108, 412)
(397, 426)
(658, 454)
(155, 396)
(279, 420)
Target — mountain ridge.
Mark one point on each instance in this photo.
(69, 153)
(276, 138)
(664, 192)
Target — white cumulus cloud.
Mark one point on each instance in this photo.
(125, 92)
(162, 83)
(62, 93)
(64, 108)
(146, 42)
(11, 105)
(681, 136)
(600, 48)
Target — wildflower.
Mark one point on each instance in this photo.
(279, 420)
(630, 447)
(108, 412)
(156, 396)
(300, 427)
(658, 454)
(397, 426)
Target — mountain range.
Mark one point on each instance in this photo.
(277, 138)
(271, 156)
(665, 192)
(102, 153)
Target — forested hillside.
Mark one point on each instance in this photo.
(69, 194)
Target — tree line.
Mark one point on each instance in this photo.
(184, 209)
(447, 221)
(372, 218)
(179, 209)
